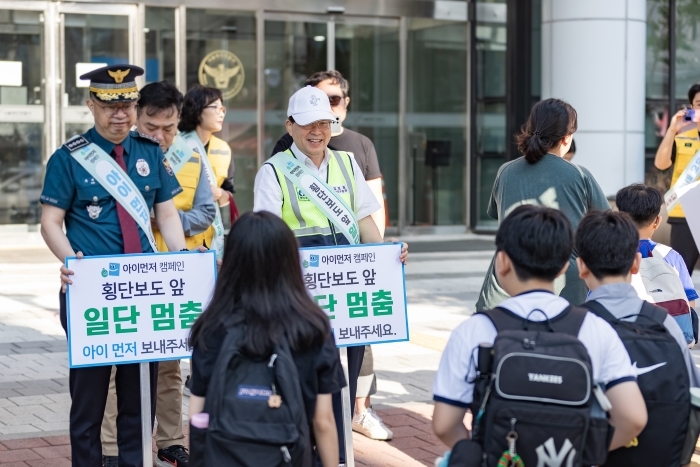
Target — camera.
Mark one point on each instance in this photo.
(691, 115)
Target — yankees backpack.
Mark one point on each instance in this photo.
(536, 404)
(658, 282)
(256, 411)
(663, 379)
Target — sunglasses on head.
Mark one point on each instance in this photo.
(335, 100)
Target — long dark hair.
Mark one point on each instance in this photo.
(549, 122)
(196, 100)
(261, 281)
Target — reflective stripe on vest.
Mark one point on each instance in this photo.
(301, 215)
(687, 144)
(188, 177)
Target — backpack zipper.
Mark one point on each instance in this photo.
(285, 454)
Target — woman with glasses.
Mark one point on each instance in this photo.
(203, 111)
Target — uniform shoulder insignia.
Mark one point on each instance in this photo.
(75, 143)
(138, 134)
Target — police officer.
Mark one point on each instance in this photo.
(677, 149)
(158, 112)
(309, 117)
(96, 224)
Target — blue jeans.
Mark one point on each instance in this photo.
(686, 326)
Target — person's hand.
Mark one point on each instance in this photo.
(404, 249)
(677, 122)
(202, 249)
(66, 273)
(217, 192)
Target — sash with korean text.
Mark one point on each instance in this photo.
(320, 194)
(192, 141)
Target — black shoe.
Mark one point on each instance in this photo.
(110, 461)
(173, 456)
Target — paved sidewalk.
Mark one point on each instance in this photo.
(34, 399)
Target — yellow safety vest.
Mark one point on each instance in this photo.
(308, 223)
(188, 177)
(687, 144)
(219, 155)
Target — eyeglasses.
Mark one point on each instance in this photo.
(220, 109)
(321, 125)
(112, 111)
(335, 100)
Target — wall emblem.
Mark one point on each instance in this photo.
(222, 70)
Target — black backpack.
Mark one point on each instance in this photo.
(256, 410)
(539, 390)
(663, 379)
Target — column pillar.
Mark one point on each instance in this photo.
(593, 56)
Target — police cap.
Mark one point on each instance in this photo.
(114, 83)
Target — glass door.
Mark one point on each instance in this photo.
(91, 36)
(367, 54)
(296, 46)
(22, 111)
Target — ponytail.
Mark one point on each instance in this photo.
(550, 121)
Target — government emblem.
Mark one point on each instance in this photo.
(94, 211)
(142, 167)
(223, 70)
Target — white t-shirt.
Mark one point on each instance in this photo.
(268, 194)
(610, 360)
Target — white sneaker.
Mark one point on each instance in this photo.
(691, 345)
(369, 424)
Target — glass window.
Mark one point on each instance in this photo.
(687, 47)
(657, 86)
(224, 40)
(368, 56)
(293, 51)
(160, 44)
(91, 41)
(21, 115)
(436, 121)
(490, 117)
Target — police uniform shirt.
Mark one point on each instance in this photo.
(70, 187)
(610, 361)
(268, 194)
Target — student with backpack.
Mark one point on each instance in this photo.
(607, 245)
(537, 373)
(264, 361)
(663, 277)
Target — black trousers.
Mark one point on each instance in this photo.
(88, 391)
(355, 356)
(682, 241)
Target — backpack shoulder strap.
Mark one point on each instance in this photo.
(570, 320)
(662, 249)
(503, 319)
(600, 311)
(653, 312)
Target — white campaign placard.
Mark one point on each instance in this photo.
(690, 201)
(136, 308)
(361, 288)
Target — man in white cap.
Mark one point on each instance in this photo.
(332, 206)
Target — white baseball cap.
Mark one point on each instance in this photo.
(308, 105)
